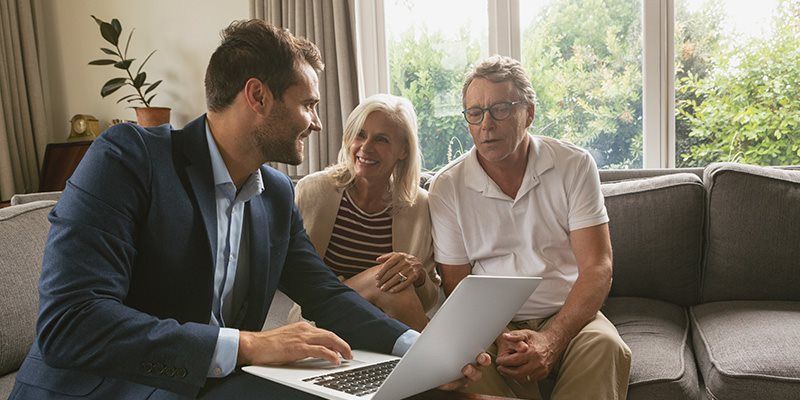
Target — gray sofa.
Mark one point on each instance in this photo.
(706, 287)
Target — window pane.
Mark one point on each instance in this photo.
(737, 79)
(584, 60)
(431, 45)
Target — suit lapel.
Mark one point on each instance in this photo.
(259, 261)
(201, 177)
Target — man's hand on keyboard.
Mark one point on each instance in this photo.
(291, 343)
(471, 373)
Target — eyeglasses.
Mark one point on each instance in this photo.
(498, 111)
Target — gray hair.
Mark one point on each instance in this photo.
(501, 69)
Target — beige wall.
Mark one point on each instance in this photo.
(184, 33)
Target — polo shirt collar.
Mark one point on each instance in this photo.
(540, 159)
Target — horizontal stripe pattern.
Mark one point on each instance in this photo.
(358, 238)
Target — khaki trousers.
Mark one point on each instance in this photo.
(595, 365)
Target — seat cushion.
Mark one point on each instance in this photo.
(748, 349)
(23, 230)
(6, 384)
(657, 333)
(656, 227)
(753, 234)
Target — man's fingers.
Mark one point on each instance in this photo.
(513, 360)
(514, 336)
(484, 359)
(323, 353)
(330, 341)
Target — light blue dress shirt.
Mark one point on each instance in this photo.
(230, 250)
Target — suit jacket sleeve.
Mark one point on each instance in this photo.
(88, 263)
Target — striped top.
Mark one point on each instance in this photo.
(358, 238)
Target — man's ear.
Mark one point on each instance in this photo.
(257, 96)
(531, 115)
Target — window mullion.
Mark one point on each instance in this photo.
(656, 81)
(504, 29)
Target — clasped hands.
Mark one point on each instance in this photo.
(297, 341)
(397, 271)
(526, 355)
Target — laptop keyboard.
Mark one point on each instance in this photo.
(359, 381)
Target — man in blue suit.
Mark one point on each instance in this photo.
(166, 247)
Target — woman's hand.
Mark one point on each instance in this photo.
(398, 270)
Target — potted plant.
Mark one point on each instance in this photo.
(143, 95)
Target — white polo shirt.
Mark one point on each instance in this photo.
(474, 222)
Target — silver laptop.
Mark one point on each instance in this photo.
(466, 324)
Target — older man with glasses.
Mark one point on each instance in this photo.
(518, 204)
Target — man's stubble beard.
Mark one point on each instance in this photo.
(277, 138)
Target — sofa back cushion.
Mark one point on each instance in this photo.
(753, 233)
(23, 231)
(656, 229)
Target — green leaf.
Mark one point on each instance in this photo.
(150, 99)
(112, 86)
(139, 80)
(102, 62)
(128, 42)
(97, 20)
(109, 33)
(126, 97)
(117, 26)
(124, 64)
(145, 62)
(152, 87)
(109, 51)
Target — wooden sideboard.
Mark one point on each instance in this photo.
(60, 161)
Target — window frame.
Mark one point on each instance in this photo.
(658, 64)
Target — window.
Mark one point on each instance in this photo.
(655, 83)
(584, 61)
(737, 78)
(431, 44)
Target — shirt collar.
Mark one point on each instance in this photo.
(540, 160)
(254, 184)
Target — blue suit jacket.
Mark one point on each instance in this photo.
(127, 276)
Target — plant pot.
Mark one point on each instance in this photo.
(152, 116)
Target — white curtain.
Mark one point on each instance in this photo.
(23, 114)
(330, 25)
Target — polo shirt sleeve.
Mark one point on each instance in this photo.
(448, 239)
(586, 203)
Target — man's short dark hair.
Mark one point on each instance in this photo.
(255, 49)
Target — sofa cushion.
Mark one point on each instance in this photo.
(657, 333)
(753, 232)
(23, 230)
(18, 199)
(656, 229)
(6, 384)
(748, 349)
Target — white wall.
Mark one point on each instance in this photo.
(184, 33)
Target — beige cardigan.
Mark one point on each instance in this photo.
(318, 199)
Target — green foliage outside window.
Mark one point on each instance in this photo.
(748, 109)
(420, 71)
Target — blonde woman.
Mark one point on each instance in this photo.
(367, 216)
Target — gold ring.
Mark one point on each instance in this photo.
(403, 278)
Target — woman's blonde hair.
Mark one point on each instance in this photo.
(404, 181)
